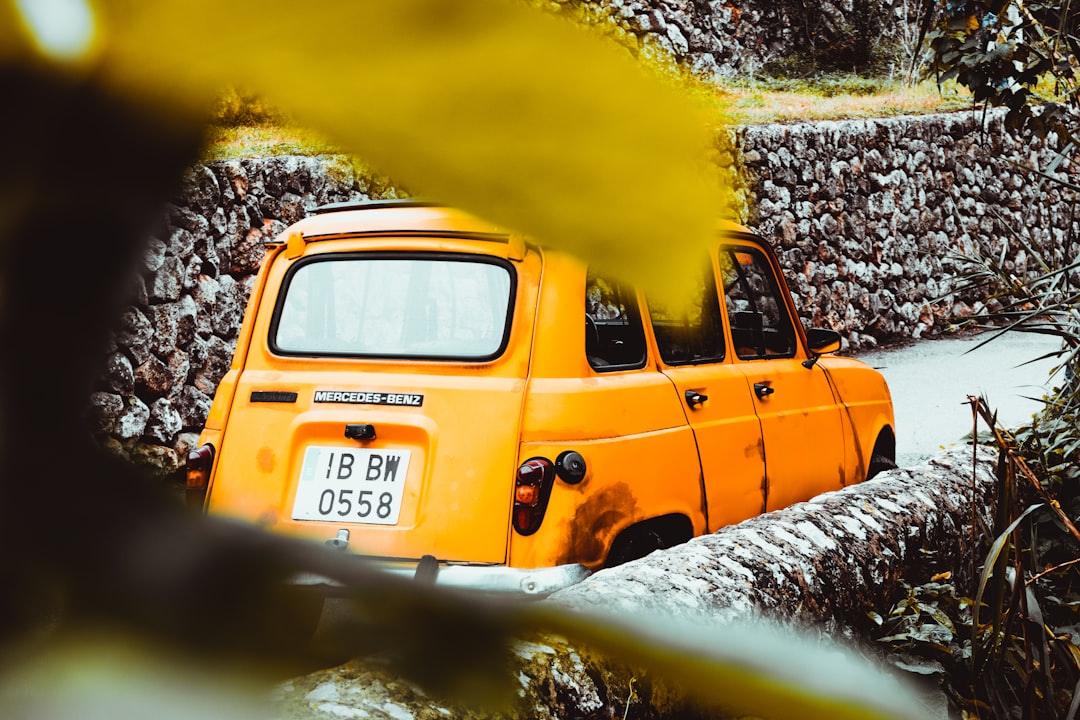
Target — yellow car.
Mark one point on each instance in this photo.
(415, 385)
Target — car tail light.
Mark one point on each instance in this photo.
(200, 462)
(532, 488)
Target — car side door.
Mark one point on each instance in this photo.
(801, 422)
(694, 355)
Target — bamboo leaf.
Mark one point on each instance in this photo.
(1075, 704)
(992, 557)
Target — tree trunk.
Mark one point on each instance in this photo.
(822, 564)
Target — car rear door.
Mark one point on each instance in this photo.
(382, 397)
(713, 392)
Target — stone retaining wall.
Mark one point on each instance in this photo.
(864, 214)
(737, 38)
(869, 216)
(815, 569)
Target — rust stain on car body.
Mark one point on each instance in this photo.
(594, 519)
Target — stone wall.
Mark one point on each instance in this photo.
(176, 340)
(733, 38)
(869, 216)
(864, 214)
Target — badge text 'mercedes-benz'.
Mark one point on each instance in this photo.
(362, 397)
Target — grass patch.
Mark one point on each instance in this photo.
(834, 98)
(754, 102)
(245, 141)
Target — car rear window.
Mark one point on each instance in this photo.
(614, 335)
(418, 306)
(691, 334)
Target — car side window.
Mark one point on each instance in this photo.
(760, 324)
(614, 335)
(690, 334)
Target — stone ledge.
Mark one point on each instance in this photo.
(817, 564)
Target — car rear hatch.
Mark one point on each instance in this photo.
(381, 395)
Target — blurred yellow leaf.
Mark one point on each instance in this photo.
(490, 105)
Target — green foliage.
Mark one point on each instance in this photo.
(236, 108)
(1015, 648)
(819, 84)
(1003, 51)
(1027, 653)
(850, 42)
(1042, 297)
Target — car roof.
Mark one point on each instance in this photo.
(392, 216)
(418, 216)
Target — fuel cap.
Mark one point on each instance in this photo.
(570, 466)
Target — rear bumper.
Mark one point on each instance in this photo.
(536, 582)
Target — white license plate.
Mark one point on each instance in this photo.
(351, 485)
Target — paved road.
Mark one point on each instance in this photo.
(931, 379)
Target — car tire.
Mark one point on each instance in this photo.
(634, 545)
(879, 463)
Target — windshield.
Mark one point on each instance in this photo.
(437, 307)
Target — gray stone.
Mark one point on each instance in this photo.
(218, 223)
(166, 322)
(135, 329)
(131, 423)
(193, 406)
(650, 22)
(182, 242)
(229, 308)
(206, 290)
(154, 254)
(200, 189)
(678, 40)
(104, 410)
(119, 375)
(187, 312)
(184, 218)
(177, 365)
(206, 248)
(234, 185)
(258, 209)
(152, 378)
(164, 422)
(191, 272)
(198, 350)
(218, 359)
(185, 443)
(167, 282)
(249, 252)
(157, 461)
(292, 210)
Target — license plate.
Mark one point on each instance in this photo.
(351, 485)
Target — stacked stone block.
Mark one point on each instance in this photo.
(738, 38)
(868, 218)
(175, 342)
(871, 217)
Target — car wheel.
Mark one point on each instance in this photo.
(634, 545)
(879, 463)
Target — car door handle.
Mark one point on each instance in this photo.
(694, 398)
(762, 390)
